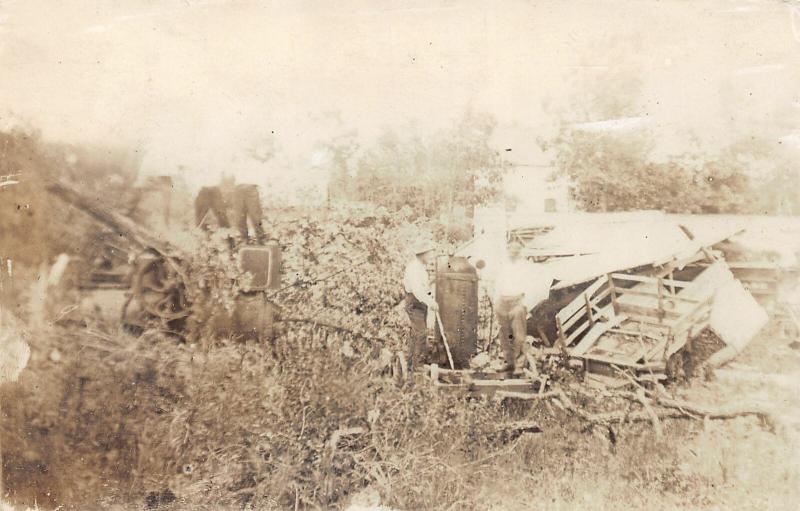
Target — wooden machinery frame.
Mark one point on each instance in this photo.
(634, 322)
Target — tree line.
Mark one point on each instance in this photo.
(610, 172)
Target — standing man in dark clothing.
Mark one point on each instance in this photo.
(209, 199)
(247, 205)
(419, 299)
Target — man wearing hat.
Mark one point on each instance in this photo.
(419, 298)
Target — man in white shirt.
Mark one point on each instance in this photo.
(517, 289)
(419, 299)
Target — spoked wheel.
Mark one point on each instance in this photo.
(158, 290)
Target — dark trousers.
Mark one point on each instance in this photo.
(417, 315)
(511, 315)
(247, 205)
(209, 199)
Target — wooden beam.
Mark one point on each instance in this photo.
(575, 305)
(594, 334)
(636, 291)
(578, 331)
(649, 280)
(589, 314)
(647, 366)
(559, 328)
(613, 290)
(659, 314)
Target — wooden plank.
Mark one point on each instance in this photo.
(578, 331)
(602, 295)
(647, 320)
(651, 302)
(647, 311)
(442, 370)
(647, 366)
(594, 303)
(589, 314)
(613, 291)
(606, 382)
(677, 343)
(656, 352)
(755, 265)
(594, 334)
(685, 321)
(694, 315)
(560, 330)
(510, 382)
(636, 333)
(636, 291)
(649, 280)
(575, 305)
(573, 320)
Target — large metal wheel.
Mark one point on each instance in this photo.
(158, 292)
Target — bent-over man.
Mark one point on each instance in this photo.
(419, 299)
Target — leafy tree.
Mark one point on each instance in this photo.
(614, 173)
(454, 169)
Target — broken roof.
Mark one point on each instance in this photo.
(580, 247)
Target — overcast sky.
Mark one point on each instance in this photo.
(198, 82)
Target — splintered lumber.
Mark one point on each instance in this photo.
(502, 394)
(648, 280)
(613, 291)
(595, 333)
(575, 306)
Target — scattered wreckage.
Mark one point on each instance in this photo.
(153, 274)
(636, 310)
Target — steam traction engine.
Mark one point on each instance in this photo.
(154, 275)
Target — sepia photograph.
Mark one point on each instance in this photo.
(374, 255)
